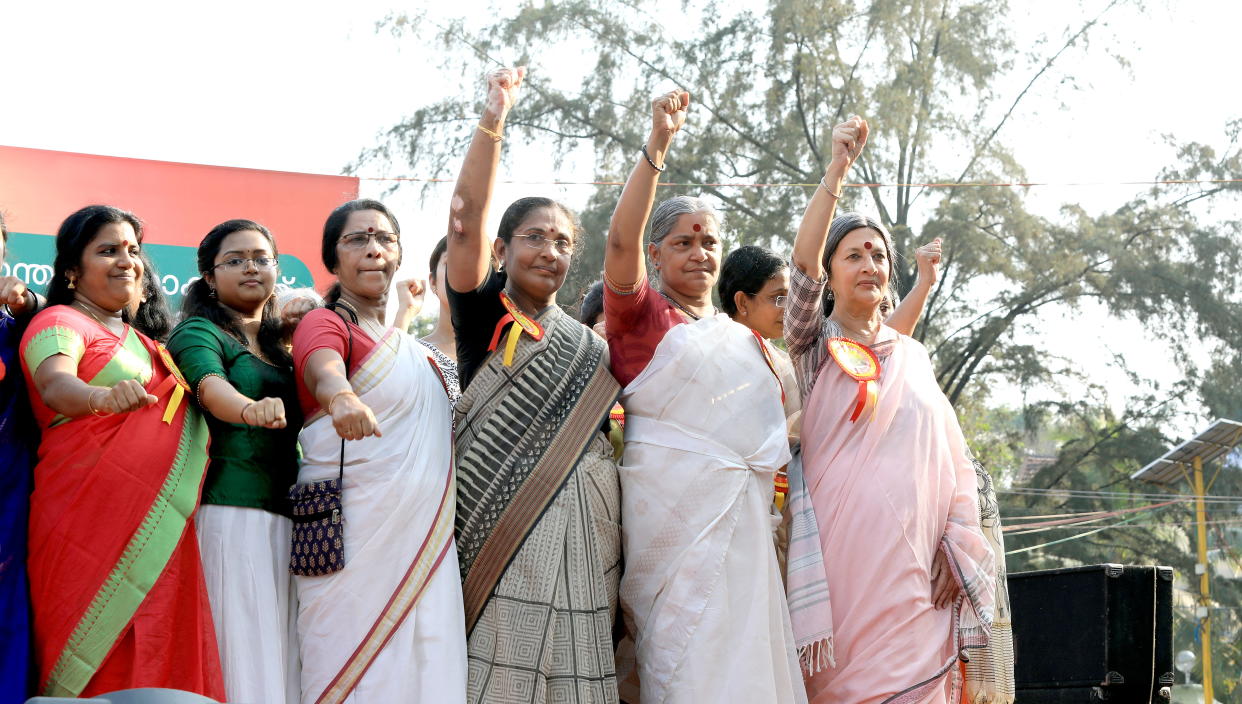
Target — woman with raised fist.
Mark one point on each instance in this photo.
(537, 495)
(910, 574)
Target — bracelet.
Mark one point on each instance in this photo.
(337, 395)
(649, 161)
(243, 413)
(829, 190)
(198, 391)
(496, 136)
(90, 403)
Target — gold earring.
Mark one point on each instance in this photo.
(72, 284)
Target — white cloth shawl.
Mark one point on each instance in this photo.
(705, 433)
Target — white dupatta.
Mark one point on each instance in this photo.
(388, 627)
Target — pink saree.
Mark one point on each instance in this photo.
(889, 493)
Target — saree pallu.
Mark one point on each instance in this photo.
(537, 520)
(989, 674)
(705, 434)
(16, 456)
(387, 628)
(115, 577)
(891, 491)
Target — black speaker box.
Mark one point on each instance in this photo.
(1103, 631)
(1061, 695)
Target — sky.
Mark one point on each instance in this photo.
(305, 86)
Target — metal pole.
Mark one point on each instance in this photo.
(1205, 594)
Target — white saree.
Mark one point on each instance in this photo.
(705, 433)
(389, 626)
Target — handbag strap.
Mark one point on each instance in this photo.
(337, 307)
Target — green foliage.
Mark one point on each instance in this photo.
(938, 81)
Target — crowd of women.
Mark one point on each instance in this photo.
(287, 500)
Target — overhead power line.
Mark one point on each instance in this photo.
(739, 184)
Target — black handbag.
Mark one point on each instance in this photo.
(318, 545)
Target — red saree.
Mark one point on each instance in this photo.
(115, 578)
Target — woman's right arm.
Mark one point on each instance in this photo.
(623, 257)
(325, 378)
(469, 258)
(319, 344)
(57, 383)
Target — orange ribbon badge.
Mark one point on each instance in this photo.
(524, 324)
(861, 364)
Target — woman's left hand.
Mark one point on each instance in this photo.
(410, 294)
(928, 258)
(944, 588)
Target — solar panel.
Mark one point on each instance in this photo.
(1217, 440)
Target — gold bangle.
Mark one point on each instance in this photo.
(829, 190)
(496, 136)
(90, 403)
(337, 395)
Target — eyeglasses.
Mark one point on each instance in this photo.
(537, 241)
(778, 301)
(239, 262)
(358, 240)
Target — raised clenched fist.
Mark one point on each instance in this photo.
(503, 86)
(928, 258)
(848, 140)
(410, 295)
(669, 112)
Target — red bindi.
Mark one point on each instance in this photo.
(697, 227)
(867, 245)
(372, 229)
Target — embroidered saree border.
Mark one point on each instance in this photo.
(139, 567)
(407, 595)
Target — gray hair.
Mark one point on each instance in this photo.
(666, 213)
(842, 225)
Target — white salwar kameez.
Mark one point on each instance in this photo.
(389, 627)
(245, 553)
(705, 433)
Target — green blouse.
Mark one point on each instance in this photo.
(250, 467)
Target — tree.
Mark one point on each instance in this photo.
(768, 86)
(939, 80)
